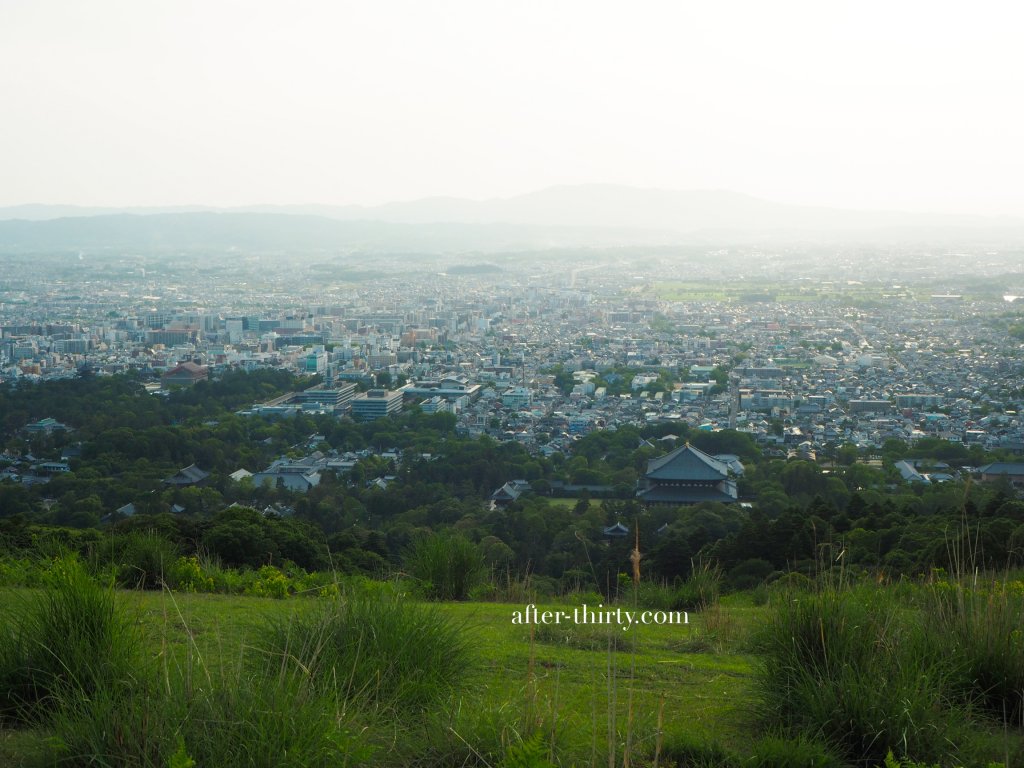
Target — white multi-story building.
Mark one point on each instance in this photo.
(376, 404)
(517, 397)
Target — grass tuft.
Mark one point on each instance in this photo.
(447, 567)
(984, 632)
(140, 559)
(700, 591)
(70, 640)
(851, 666)
(243, 719)
(379, 649)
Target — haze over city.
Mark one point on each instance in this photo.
(908, 106)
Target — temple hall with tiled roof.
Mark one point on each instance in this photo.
(687, 475)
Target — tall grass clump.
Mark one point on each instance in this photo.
(854, 668)
(447, 567)
(186, 718)
(983, 630)
(377, 649)
(70, 640)
(509, 587)
(700, 590)
(140, 559)
(702, 587)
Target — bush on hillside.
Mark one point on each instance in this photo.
(71, 640)
(447, 567)
(375, 648)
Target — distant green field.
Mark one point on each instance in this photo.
(779, 292)
(690, 292)
(863, 296)
(568, 503)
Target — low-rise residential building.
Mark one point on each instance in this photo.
(1003, 470)
(517, 397)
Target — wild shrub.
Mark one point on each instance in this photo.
(318, 583)
(759, 595)
(21, 572)
(530, 753)
(227, 581)
(70, 640)
(447, 567)
(186, 575)
(854, 667)
(375, 649)
(270, 582)
(791, 582)
(749, 574)
(661, 597)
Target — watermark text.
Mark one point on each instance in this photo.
(600, 615)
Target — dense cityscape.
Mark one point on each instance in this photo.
(542, 351)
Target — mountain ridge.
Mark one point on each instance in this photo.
(556, 217)
(586, 205)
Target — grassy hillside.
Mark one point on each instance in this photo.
(582, 691)
(796, 674)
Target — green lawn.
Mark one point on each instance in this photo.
(568, 503)
(588, 678)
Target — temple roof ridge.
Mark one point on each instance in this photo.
(687, 463)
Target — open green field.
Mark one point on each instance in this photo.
(691, 292)
(780, 292)
(867, 295)
(568, 503)
(586, 690)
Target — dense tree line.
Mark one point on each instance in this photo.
(796, 515)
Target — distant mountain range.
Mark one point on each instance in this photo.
(563, 216)
(292, 233)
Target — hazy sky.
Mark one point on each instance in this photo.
(895, 104)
